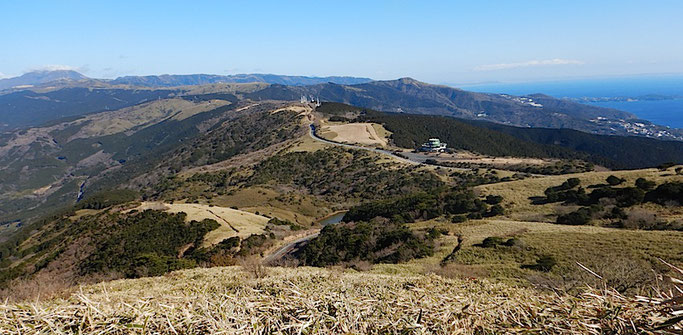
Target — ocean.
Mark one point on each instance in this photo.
(662, 112)
(667, 112)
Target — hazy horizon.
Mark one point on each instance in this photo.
(429, 41)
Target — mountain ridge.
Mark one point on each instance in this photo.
(41, 77)
(407, 95)
(168, 80)
(403, 95)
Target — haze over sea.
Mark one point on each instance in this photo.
(667, 112)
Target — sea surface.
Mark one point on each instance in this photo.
(662, 112)
(667, 112)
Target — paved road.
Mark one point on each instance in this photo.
(279, 253)
(315, 136)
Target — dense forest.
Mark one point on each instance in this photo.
(340, 174)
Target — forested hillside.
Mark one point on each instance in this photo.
(58, 165)
(30, 108)
(411, 96)
(619, 152)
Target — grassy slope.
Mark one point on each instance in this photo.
(306, 300)
(516, 193)
(233, 222)
(622, 256)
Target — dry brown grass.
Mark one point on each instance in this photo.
(319, 301)
(254, 266)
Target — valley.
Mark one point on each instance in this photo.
(258, 192)
(358, 167)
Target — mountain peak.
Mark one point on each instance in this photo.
(408, 80)
(40, 77)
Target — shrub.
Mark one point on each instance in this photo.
(565, 192)
(495, 210)
(666, 166)
(514, 242)
(337, 118)
(492, 241)
(229, 243)
(667, 192)
(252, 244)
(544, 263)
(624, 197)
(580, 217)
(645, 184)
(458, 218)
(254, 266)
(493, 199)
(614, 180)
(106, 199)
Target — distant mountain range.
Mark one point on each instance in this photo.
(203, 79)
(40, 77)
(407, 95)
(72, 94)
(37, 78)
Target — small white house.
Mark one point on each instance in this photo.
(433, 145)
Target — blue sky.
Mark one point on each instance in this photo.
(434, 41)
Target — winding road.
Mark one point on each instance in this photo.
(412, 158)
(288, 248)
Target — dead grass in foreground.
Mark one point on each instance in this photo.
(323, 301)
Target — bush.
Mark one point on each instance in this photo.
(565, 192)
(645, 184)
(495, 210)
(580, 217)
(492, 241)
(666, 166)
(514, 242)
(624, 197)
(254, 266)
(629, 196)
(252, 244)
(337, 118)
(667, 192)
(106, 199)
(458, 218)
(613, 180)
(572, 182)
(493, 199)
(544, 263)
